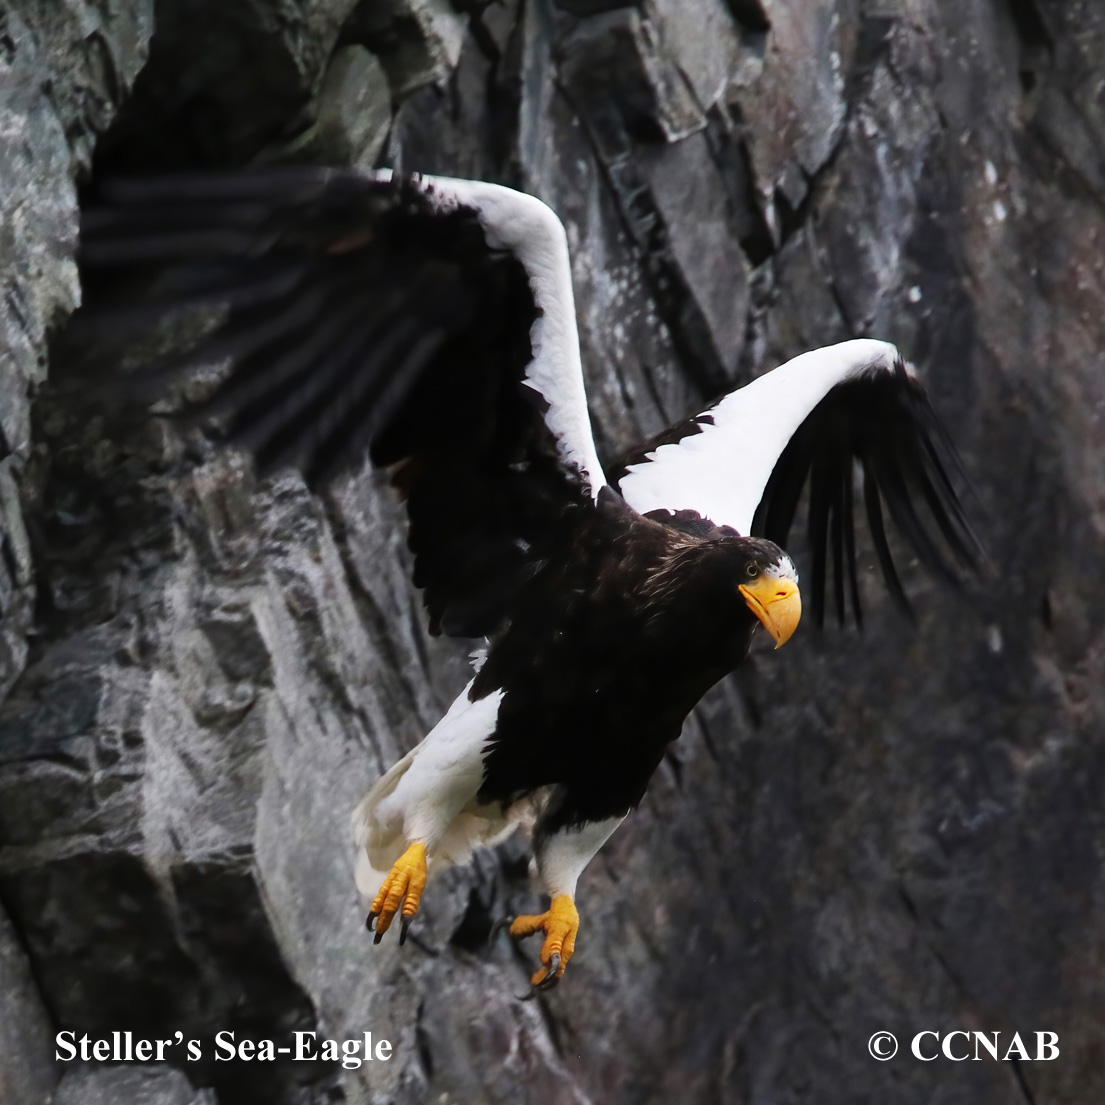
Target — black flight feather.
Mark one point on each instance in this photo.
(351, 316)
(884, 421)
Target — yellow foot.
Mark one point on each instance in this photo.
(403, 887)
(560, 925)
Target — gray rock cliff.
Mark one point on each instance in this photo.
(899, 829)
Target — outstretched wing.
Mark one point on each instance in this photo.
(428, 323)
(744, 462)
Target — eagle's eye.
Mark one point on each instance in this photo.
(751, 569)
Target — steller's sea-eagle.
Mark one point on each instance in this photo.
(429, 324)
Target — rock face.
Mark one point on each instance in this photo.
(142, 1085)
(26, 1073)
(897, 830)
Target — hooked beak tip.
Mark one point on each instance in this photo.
(777, 604)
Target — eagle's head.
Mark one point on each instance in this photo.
(769, 584)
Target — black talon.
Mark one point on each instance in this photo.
(404, 927)
(378, 937)
(546, 984)
(369, 921)
(499, 926)
(554, 966)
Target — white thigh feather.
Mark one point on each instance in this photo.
(430, 796)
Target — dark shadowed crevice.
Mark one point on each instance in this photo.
(474, 930)
(733, 158)
(750, 14)
(215, 90)
(422, 1041)
(1036, 42)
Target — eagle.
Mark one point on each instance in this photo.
(429, 325)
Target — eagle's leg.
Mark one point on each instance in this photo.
(562, 852)
(559, 923)
(402, 888)
(415, 806)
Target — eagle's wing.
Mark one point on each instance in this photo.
(743, 463)
(426, 322)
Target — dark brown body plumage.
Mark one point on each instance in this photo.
(607, 652)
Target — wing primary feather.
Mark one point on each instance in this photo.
(366, 412)
(900, 504)
(247, 335)
(270, 185)
(817, 530)
(174, 247)
(145, 219)
(943, 511)
(969, 544)
(239, 292)
(878, 537)
(785, 490)
(849, 525)
(290, 429)
(940, 437)
(836, 527)
(935, 461)
(249, 387)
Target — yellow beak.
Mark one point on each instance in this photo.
(777, 603)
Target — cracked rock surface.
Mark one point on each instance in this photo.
(896, 830)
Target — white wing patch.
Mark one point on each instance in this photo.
(721, 472)
(531, 231)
